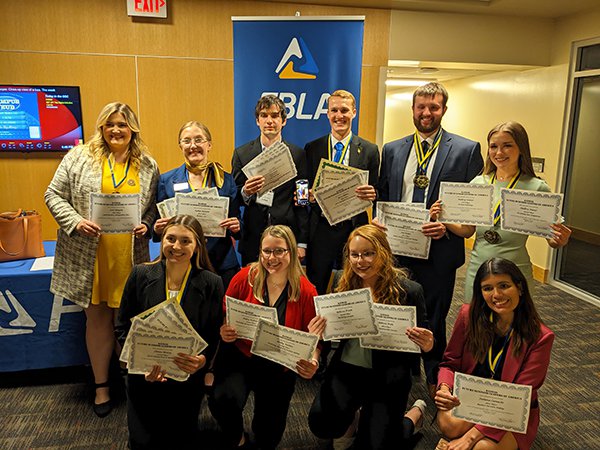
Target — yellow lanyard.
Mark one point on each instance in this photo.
(181, 289)
(204, 180)
(493, 362)
(424, 158)
(341, 161)
(511, 184)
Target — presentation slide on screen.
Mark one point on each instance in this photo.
(39, 118)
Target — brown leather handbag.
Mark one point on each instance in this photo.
(20, 235)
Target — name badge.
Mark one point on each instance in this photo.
(266, 199)
(181, 186)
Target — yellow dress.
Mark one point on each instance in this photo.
(114, 259)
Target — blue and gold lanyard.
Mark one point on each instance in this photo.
(424, 158)
(493, 362)
(344, 150)
(204, 181)
(511, 185)
(112, 172)
(183, 285)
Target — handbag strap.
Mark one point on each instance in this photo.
(25, 235)
(9, 215)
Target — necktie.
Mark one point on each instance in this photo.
(418, 193)
(338, 152)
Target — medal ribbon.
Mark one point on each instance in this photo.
(183, 285)
(330, 156)
(424, 158)
(493, 362)
(112, 172)
(511, 185)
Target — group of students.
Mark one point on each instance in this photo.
(364, 392)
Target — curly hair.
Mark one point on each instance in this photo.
(388, 287)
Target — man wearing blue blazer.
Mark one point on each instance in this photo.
(326, 242)
(412, 169)
(277, 208)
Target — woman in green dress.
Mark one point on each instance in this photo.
(507, 165)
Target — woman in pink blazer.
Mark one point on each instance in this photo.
(499, 336)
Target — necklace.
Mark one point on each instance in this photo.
(277, 285)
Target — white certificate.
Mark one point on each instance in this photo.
(392, 322)
(529, 212)
(330, 172)
(209, 211)
(492, 403)
(275, 164)
(244, 316)
(283, 345)
(115, 213)
(468, 204)
(167, 208)
(339, 202)
(148, 350)
(404, 222)
(203, 192)
(349, 314)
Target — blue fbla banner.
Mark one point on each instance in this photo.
(299, 59)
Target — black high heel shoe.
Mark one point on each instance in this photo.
(102, 409)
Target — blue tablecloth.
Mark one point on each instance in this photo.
(37, 329)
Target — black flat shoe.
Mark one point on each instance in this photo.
(102, 409)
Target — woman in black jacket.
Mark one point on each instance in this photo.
(375, 381)
(161, 412)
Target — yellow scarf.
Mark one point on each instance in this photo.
(217, 170)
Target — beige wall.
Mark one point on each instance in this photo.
(168, 71)
(536, 98)
(470, 38)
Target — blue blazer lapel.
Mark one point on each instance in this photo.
(442, 153)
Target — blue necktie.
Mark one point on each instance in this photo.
(338, 152)
(418, 193)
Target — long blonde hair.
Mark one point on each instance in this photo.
(98, 147)
(257, 276)
(388, 287)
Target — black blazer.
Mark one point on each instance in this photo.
(282, 212)
(363, 155)
(202, 301)
(389, 360)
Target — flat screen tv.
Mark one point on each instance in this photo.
(39, 118)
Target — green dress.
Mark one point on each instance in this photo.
(511, 245)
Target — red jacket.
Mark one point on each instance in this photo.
(529, 368)
(297, 313)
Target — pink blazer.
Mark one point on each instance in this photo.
(529, 368)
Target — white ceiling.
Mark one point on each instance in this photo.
(548, 9)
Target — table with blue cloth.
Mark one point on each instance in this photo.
(39, 330)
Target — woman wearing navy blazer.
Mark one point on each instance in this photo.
(498, 336)
(198, 172)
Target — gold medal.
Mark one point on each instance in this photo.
(131, 182)
(491, 236)
(421, 181)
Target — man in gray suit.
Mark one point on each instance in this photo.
(278, 209)
(412, 169)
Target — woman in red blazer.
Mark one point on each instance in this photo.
(499, 336)
(276, 280)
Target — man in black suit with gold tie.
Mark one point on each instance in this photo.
(326, 242)
(278, 207)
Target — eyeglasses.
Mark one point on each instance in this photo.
(277, 252)
(366, 256)
(197, 141)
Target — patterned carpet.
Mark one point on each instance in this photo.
(50, 409)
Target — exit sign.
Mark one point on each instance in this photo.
(147, 8)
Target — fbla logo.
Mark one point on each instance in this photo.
(23, 323)
(287, 70)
